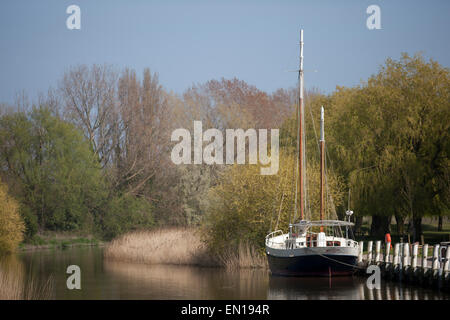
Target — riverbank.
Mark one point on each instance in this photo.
(59, 240)
(179, 246)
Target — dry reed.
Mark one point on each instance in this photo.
(179, 247)
(246, 256)
(163, 246)
(13, 286)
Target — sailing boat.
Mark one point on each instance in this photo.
(311, 248)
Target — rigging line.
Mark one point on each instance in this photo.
(285, 153)
(332, 206)
(307, 199)
(297, 156)
(304, 173)
(314, 127)
(279, 211)
(273, 204)
(283, 192)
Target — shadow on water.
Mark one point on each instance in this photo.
(103, 279)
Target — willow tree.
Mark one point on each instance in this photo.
(391, 142)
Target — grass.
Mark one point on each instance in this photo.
(177, 246)
(58, 240)
(429, 229)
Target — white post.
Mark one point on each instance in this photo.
(388, 250)
(377, 251)
(425, 256)
(436, 257)
(361, 250)
(447, 257)
(406, 254)
(396, 254)
(414, 254)
(369, 252)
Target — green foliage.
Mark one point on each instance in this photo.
(390, 139)
(54, 169)
(59, 181)
(387, 140)
(11, 224)
(123, 214)
(30, 220)
(245, 205)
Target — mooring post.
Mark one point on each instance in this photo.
(424, 273)
(447, 258)
(406, 260)
(435, 265)
(406, 254)
(447, 267)
(396, 254)
(425, 257)
(387, 253)
(396, 261)
(377, 252)
(369, 252)
(414, 260)
(387, 264)
(361, 250)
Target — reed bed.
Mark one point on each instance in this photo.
(180, 247)
(163, 246)
(245, 257)
(13, 287)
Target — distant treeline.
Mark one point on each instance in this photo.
(93, 155)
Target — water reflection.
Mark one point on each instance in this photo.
(314, 288)
(345, 288)
(102, 279)
(181, 282)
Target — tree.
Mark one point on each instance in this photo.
(245, 205)
(395, 128)
(11, 223)
(127, 122)
(52, 169)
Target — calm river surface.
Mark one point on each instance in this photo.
(102, 279)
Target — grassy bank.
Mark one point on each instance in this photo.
(59, 240)
(429, 228)
(179, 247)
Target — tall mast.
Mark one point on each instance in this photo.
(300, 128)
(322, 164)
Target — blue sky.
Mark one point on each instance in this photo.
(190, 42)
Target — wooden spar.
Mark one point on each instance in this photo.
(322, 165)
(300, 129)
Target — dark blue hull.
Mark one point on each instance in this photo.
(312, 265)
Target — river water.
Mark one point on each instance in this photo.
(103, 279)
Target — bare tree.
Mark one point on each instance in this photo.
(88, 97)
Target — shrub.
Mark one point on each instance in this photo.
(125, 213)
(11, 224)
